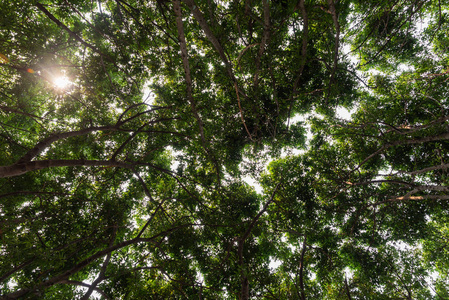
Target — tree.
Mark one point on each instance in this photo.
(131, 181)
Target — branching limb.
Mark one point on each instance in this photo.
(102, 274)
(80, 283)
(213, 39)
(63, 277)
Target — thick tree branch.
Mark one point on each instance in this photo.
(44, 144)
(15, 269)
(334, 14)
(264, 41)
(185, 62)
(22, 168)
(305, 38)
(210, 35)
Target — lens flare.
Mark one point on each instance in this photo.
(62, 82)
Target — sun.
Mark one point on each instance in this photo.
(62, 82)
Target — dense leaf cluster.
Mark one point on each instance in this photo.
(132, 181)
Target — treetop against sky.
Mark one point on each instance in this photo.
(130, 130)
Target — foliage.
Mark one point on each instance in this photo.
(132, 180)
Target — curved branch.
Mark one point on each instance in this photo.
(41, 146)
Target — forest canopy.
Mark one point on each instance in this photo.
(196, 149)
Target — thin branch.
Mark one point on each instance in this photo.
(243, 52)
(5, 108)
(425, 170)
(32, 193)
(80, 283)
(443, 136)
(347, 289)
(102, 274)
(301, 269)
(121, 2)
(380, 150)
(256, 218)
(151, 218)
(241, 111)
(391, 36)
(123, 145)
(73, 34)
